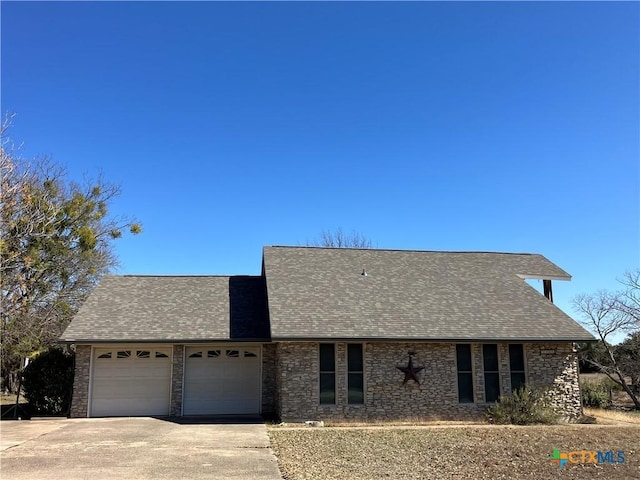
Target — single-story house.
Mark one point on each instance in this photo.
(326, 333)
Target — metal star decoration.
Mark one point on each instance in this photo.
(410, 371)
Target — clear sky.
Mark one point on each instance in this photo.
(436, 126)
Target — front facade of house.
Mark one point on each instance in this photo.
(327, 334)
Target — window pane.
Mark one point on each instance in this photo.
(490, 355)
(356, 390)
(327, 388)
(517, 381)
(327, 357)
(354, 357)
(161, 355)
(463, 353)
(124, 354)
(516, 357)
(465, 388)
(491, 387)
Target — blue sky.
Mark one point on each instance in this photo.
(436, 126)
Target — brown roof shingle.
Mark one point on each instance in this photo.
(320, 293)
(167, 308)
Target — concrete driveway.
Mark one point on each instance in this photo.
(140, 448)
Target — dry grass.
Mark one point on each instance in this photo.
(477, 452)
(10, 399)
(614, 416)
(404, 422)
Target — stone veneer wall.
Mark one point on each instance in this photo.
(550, 365)
(555, 365)
(177, 374)
(269, 379)
(80, 398)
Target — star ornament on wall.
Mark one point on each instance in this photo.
(410, 371)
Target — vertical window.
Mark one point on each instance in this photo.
(355, 377)
(491, 372)
(516, 366)
(327, 373)
(465, 373)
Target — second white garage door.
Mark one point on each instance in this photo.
(222, 380)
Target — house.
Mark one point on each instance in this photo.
(327, 333)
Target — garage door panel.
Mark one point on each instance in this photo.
(131, 381)
(222, 380)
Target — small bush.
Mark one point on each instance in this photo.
(48, 381)
(596, 394)
(525, 406)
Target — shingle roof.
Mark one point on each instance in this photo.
(320, 293)
(157, 308)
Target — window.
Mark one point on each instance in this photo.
(196, 355)
(355, 377)
(465, 373)
(491, 372)
(233, 353)
(105, 355)
(249, 354)
(327, 373)
(516, 366)
(161, 355)
(213, 353)
(123, 354)
(143, 354)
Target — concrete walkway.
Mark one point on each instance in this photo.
(140, 448)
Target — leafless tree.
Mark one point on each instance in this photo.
(339, 239)
(612, 313)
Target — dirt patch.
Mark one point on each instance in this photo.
(490, 452)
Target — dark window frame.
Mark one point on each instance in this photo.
(492, 374)
(465, 374)
(519, 370)
(324, 374)
(353, 373)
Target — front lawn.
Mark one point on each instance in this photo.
(471, 452)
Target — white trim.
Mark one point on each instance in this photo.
(90, 392)
(184, 369)
(543, 277)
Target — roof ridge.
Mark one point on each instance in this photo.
(402, 250)
(181, 276)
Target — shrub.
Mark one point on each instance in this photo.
(48, 381)
(596, 394)
(525, 406)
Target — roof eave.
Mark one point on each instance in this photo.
(162, 340)
(435, 340)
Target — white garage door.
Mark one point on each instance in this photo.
(131, 381)
(222, 380)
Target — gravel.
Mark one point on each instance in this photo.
(489, 452)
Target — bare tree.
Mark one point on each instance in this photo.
(612, 313)
(338, 239)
